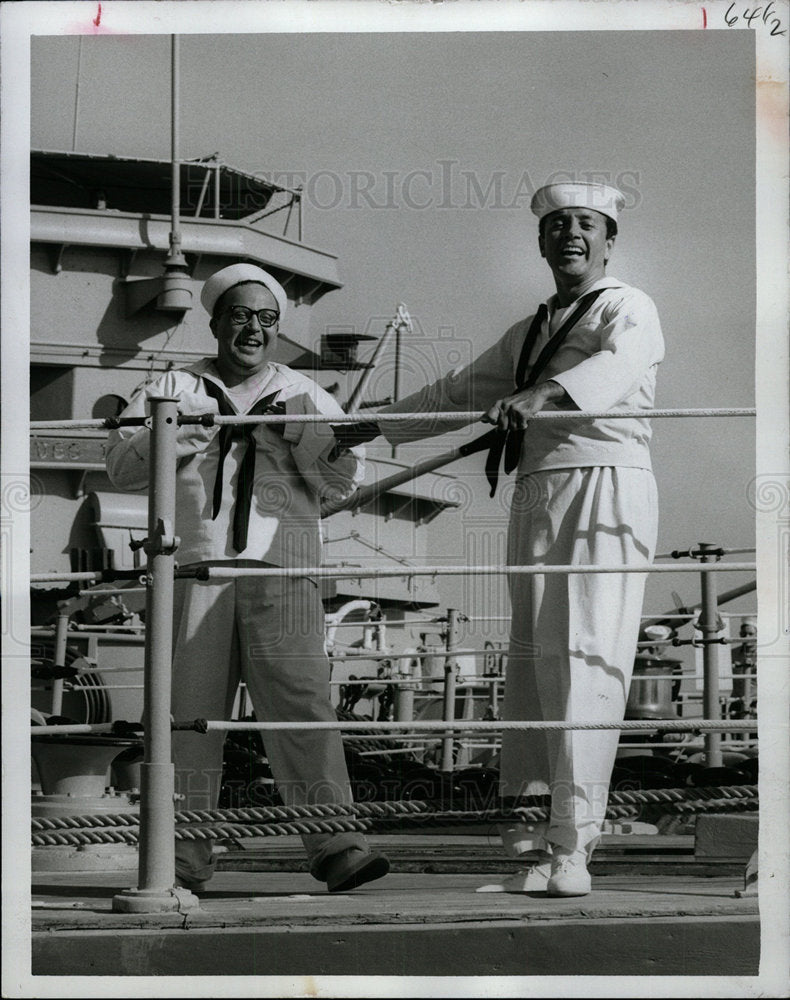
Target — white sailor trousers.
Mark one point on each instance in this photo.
(270, 633)
(573, 639)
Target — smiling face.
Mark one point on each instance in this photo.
(575, 244)
(243, 347)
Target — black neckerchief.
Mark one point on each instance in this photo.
(510, 442)
(243, 432)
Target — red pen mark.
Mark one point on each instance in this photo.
(79, 27)
(704, 17)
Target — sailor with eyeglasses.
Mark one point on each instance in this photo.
(251, 494)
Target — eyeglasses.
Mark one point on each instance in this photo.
(241, 315)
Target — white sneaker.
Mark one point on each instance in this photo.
(532, 879)
(569, 875)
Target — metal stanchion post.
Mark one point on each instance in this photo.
(450, 677)
(493, 699)
(156, 879)
(61, 631)
(709, 626)
(404, 697)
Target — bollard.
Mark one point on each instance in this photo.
(709, 626)
(450, 676)
(61, 634)
(155, 892)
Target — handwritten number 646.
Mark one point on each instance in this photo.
(759, 13)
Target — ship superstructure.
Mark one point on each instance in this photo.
(108, 314)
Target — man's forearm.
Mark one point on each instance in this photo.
(555, 393)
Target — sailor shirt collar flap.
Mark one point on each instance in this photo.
(278, 391)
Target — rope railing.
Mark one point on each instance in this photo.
(387, 809)
(360, 573)
(345, 573)
(419, 744)
(442, 416)
(417, 725)
(87, 576)
(156, 868)
(693, 553)
(465, 725)
(275, 820)
(77, 728)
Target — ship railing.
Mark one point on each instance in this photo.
(155, 892)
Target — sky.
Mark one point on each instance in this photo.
(419, 149)
(419, 153)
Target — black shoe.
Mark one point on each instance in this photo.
(354, 867)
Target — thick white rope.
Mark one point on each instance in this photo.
(347, 573)
(437, 725)
(464, 725)
(230, 573)
(440, 416)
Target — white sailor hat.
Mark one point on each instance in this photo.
(599, 197)
(222, 280)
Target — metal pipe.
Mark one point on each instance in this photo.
(401, 318)
(400, 654)
(493, 694)
(728, 595)
(396, 384)
(450, 671)
(112, 591)
(404, 703)
(403, 682)
(74, 728)
(709, 626)
(156, 876)
(648, 619)
(114, 687)
(77, 98)
(217, 190)
(61, 637)
(405, 687)
(175, 193)
(389, 621)
(425, 684)
(203, 191)
(132, 668)
(115, 638)
(367, 494)
(333, 621)
(79, 628)
(675, 554)
(157, 860)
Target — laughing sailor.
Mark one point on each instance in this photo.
(585, 494)
(246, 494)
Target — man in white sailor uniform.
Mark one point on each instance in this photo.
(252, 495)
(585, 494)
